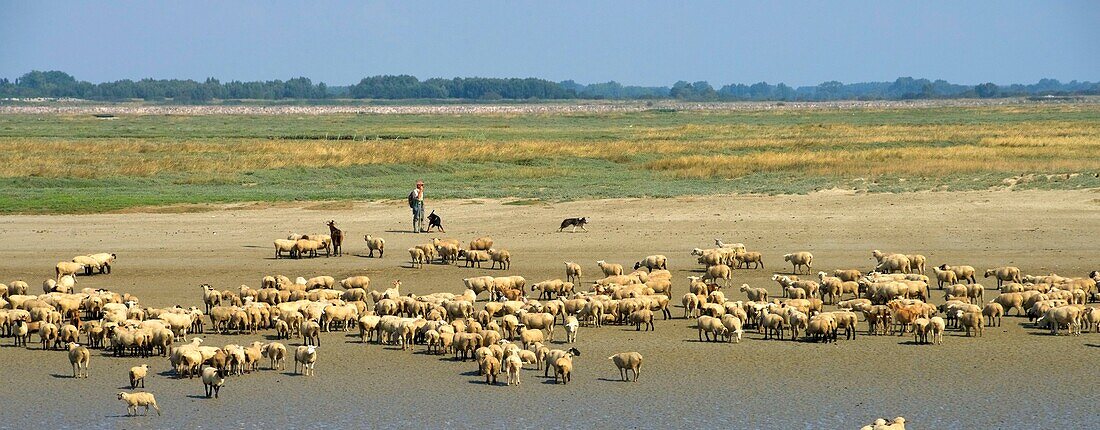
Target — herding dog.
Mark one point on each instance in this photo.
(435, 221)
(574, 222)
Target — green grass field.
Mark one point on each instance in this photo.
(78, 164)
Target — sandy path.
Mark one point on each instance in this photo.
(1011, 378)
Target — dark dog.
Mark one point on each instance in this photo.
(435, 221)
(574, 222)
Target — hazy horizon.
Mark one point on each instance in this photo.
(651, 44)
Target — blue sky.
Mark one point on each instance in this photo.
(633, 42)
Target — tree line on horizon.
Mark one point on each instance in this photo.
(56, 84)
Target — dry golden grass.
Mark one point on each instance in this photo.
(697, 147)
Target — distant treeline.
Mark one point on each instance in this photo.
(55, 84)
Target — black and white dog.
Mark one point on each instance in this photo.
(435, 221)
(574, 222)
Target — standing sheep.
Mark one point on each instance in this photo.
(627, 362)
(610, 269)
(652, 262)
(501, 257)
(213, 380)
(307, 357)
(799, 259)
(79, 358)
(137, 374)
(513, 364)
(375, 244)
(133, 400)
(1004, 274)
(572, 272)
(418, 257)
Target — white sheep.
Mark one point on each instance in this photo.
(213, 380)
(133, 400)
(307, 357)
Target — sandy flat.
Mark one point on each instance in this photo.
(1015, 376)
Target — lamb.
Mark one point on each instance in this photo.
(573, 272)
(481, 244)
(1004, 274)
(652, 262)
(67, 268)
(133, 400)
(79, 358)
(284, 245)
(307, 357)
(610, 269)
(627, 362)
(501, 257)
(799, 259)
(375, 244)
(137, 375)
(213, 380)
(571, 327)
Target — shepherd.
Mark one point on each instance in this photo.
(416, 203)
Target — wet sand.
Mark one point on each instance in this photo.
(1015, 376)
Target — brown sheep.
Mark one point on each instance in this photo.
(627, 362)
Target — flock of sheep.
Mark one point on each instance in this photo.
(509, 329)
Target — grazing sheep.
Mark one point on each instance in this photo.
(481, 244)
(708, 325)
(474, 258)
(962, 273)
(133, 400)
(307, 357)
(79, 358)
(501, 257)
(610, 269)
(67, 268)
(848, 275)
(1004, 274)
(375, 244)
(627, 362)
(891, 263)
(105, 260)
(993, 311)
(212, 380)
(799, 259)
(652, 262)
(137, 375)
